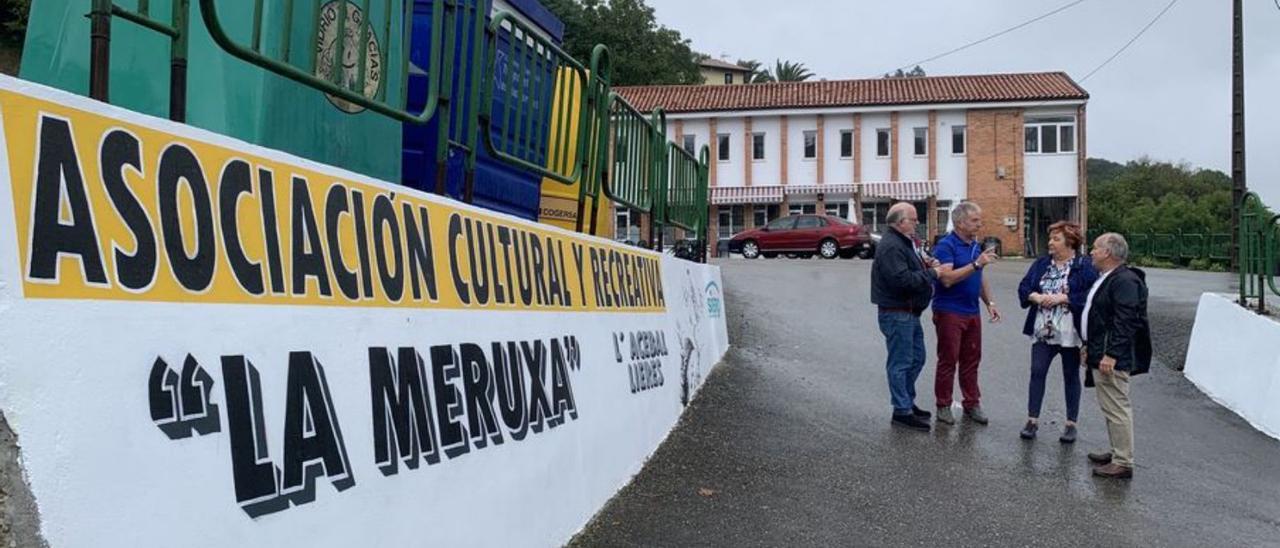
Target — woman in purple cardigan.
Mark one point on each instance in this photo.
(1054, 292)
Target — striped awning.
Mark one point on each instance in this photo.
(910, 191)
(769, 194)
(831, 188)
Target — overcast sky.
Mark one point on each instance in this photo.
(1167, 97)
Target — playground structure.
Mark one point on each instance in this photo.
(470, 99)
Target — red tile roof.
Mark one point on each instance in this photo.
(983, 88)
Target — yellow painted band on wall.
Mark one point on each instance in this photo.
(112, 210)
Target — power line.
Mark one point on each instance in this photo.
(1131, 40)
(996, 35)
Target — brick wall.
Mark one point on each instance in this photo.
(995, 142)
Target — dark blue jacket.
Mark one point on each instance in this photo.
(898, 278)
(1078, 284)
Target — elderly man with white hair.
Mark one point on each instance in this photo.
(1118, 344)
(901, 286)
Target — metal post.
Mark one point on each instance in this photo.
(1238, 186)
(178, 63)
(99, 49)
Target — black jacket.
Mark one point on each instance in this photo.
(898, 278)
(1118, 324)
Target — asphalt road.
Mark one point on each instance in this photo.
(789, 441)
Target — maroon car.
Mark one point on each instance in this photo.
(803, 235)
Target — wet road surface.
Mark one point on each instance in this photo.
(789, 441)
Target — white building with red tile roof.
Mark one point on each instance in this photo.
(1013, 143)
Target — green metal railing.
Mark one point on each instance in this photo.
(686, 207)
(1259, 253)
(557, 119)
(636, 143)
(100, 49)
(1178, 246)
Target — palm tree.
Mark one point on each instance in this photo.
(757, 75)
(786, 71)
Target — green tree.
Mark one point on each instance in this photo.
(643, 52)
(787, 71)
(759, 75)
(913, 73)
(13, 21)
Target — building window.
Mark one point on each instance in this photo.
(763, 214)
(728, 78)
(757, 146)
(846, 143)
(810, 145)
(691, 144)
(920, 141)
(882, 143)
(802, 209)
(1049, 134)
(722, 147)
(944, 215)
(626, 226)
(730, 221)
(840, 210)
(957, 139)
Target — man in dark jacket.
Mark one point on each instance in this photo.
(1118, 345)
(902, 285)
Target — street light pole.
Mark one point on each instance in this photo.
(1238, 187)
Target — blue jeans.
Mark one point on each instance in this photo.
(904, 339)
(1041, 358)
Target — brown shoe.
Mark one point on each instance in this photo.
(1113, 470)
(1100, 458)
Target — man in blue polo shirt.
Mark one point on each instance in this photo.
(956, 316)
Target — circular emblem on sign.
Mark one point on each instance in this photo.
(327, 49)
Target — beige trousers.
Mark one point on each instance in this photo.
(1113, 398)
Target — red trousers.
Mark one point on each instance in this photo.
(959, 343)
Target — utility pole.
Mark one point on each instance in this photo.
(1238, 187)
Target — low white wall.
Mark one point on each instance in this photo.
(191, 355)
(1233, 359)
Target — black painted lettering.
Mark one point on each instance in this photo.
(257, 481)
(479, 277)
(236, 180)
(403, 425)
(422, 266)
(313, 444)
(179, 165)
(362, 242)
(335, 206)
(58, 168)
(271, 230)
(477, 383)
(508, 376)
(385, 226)
(455, 232)
(535, 360)
(121, 149)
(308, 253)
(444, 368)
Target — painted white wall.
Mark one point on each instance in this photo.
(1232, 359)
(953, 169)
(768, 171)
(1056, 174)
(799, 170)
(835, 168)
(1051, 175)
(103, 473)
(910, 166)
(731, 173)
(873, 168)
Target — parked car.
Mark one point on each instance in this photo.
(803, 236)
